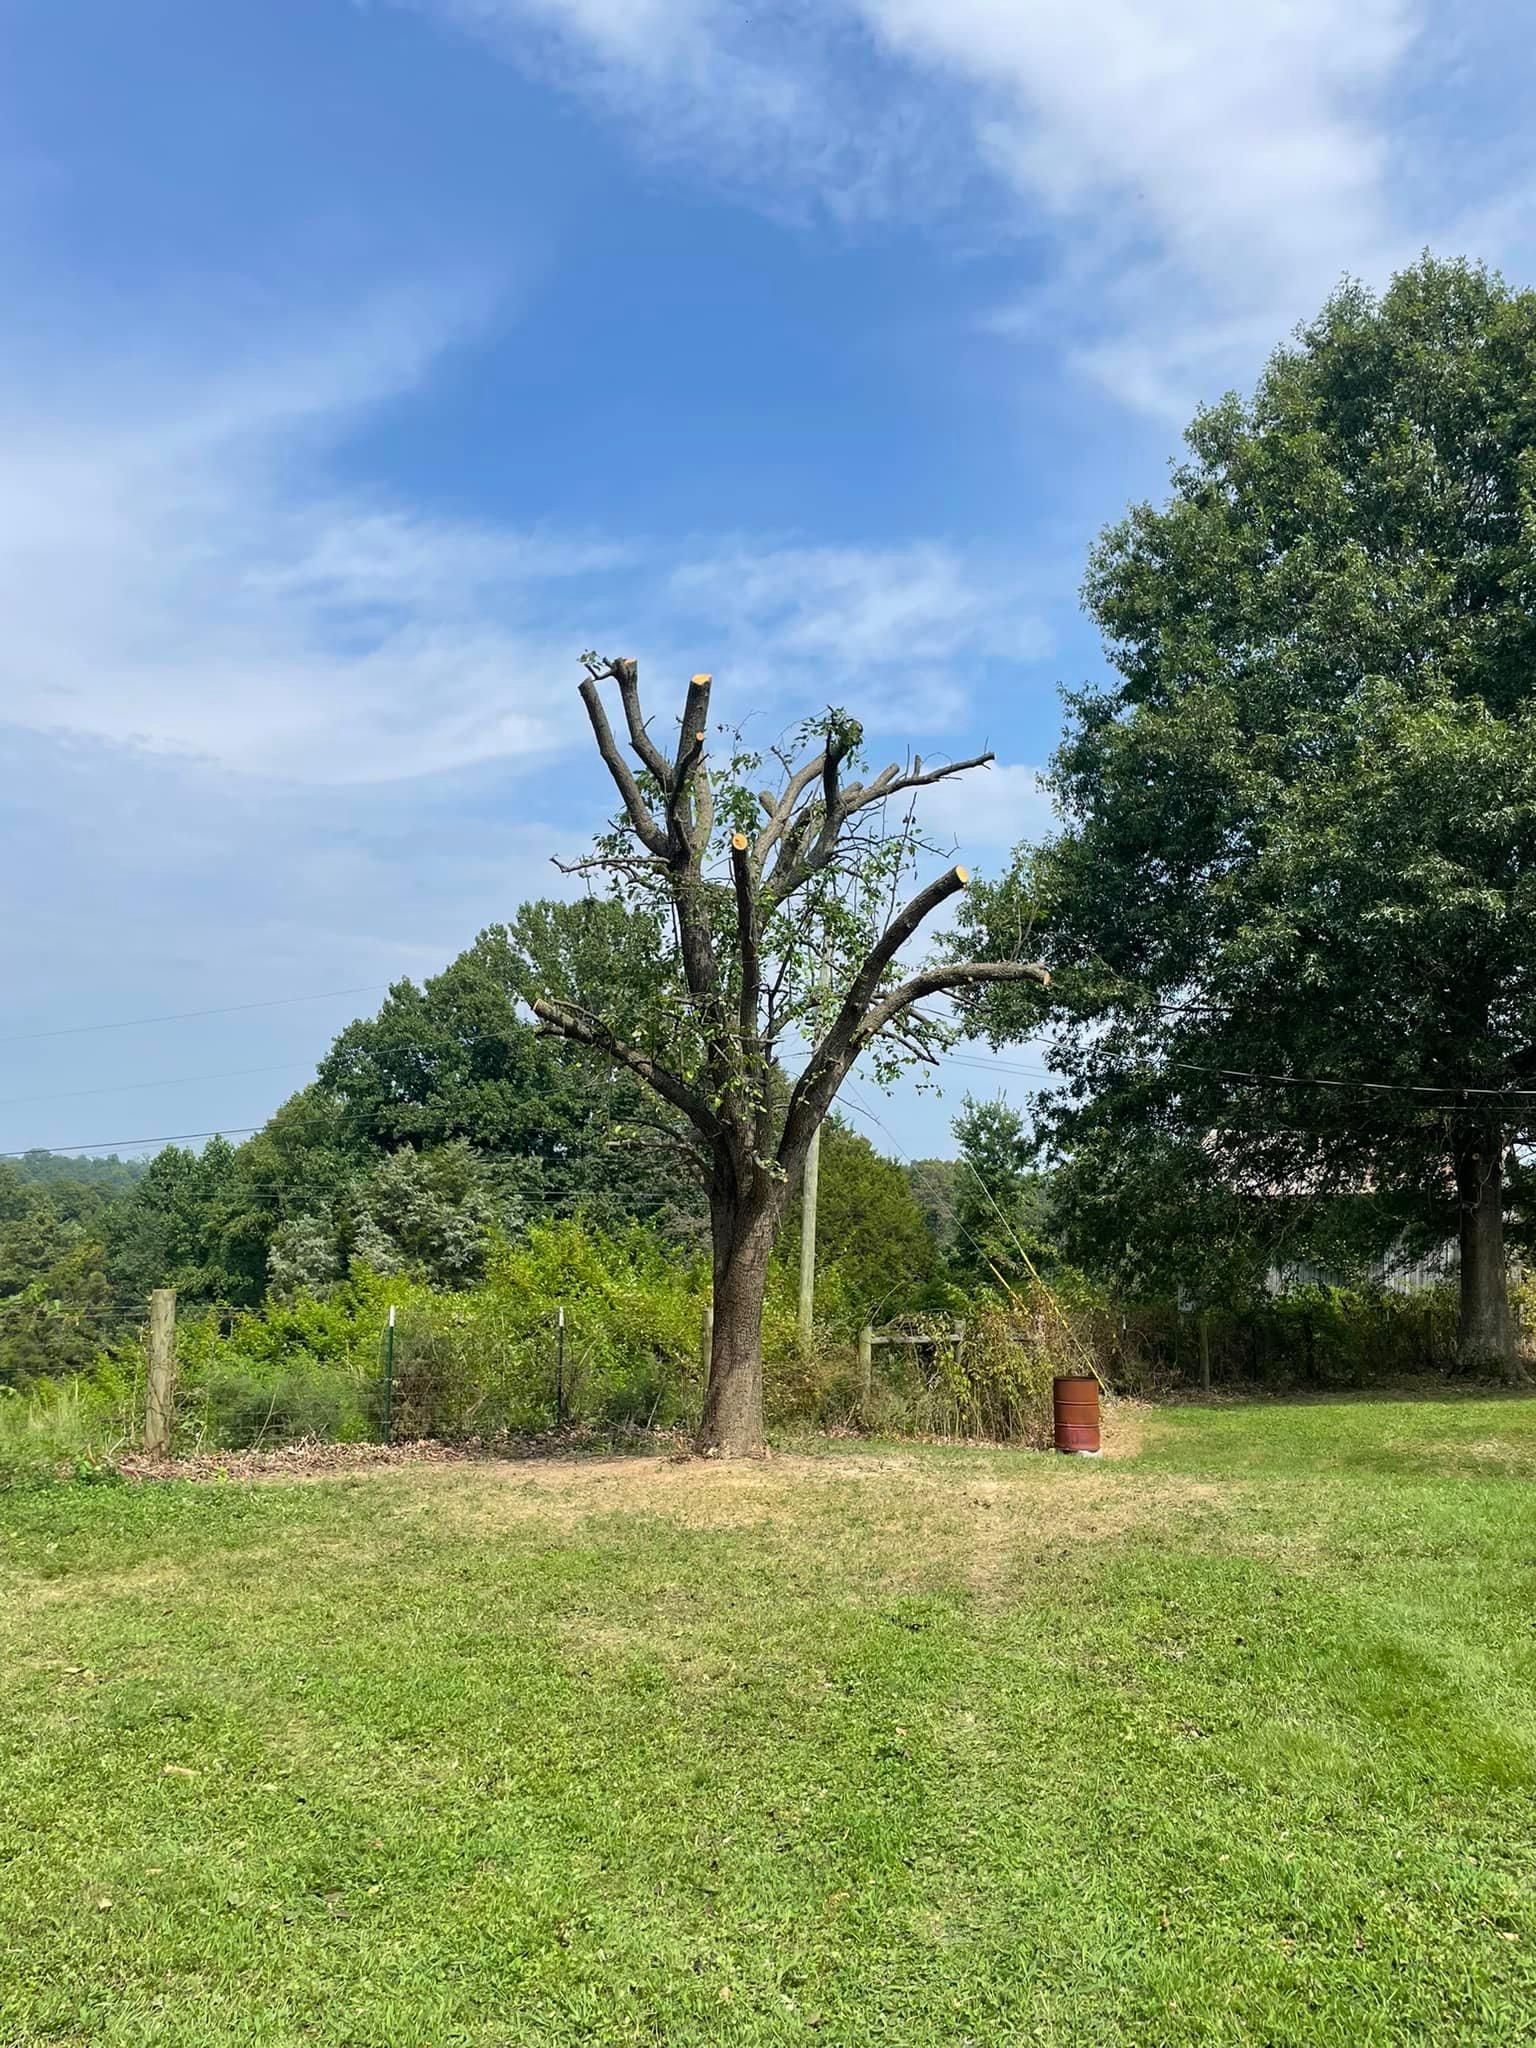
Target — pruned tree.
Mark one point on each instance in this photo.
(779, 932)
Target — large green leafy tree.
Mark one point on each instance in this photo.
(458, 1059)
(1000, 1208)
(1301, 822)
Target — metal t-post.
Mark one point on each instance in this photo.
(389, 1378)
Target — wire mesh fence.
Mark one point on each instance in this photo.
(462, 1369)
(460, 1378)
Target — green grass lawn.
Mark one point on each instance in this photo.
(1232, 1740)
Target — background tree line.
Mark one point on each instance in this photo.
(432, 1129)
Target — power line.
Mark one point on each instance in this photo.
(1335, 1081)
(993, 1066)
(1248, 1076)
(111, 1144)
(182, 1016)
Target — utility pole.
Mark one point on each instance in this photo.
(809, 1190)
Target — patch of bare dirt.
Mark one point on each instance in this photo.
(984, 1507)
(899, 1517)
(990, 1516)
(313, 1459)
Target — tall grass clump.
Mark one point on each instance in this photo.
(71, 1424)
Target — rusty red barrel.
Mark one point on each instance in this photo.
(1075, 1399)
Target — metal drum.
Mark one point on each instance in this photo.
(1075, 1401)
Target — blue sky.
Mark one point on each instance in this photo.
(365, 362)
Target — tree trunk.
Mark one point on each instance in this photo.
(732, 1422)
(1484, 1331)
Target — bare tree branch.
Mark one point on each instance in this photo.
(695, 716)
(626, 673)
(860, 1019)
(780, 814)
(569, 1022)
(909, 1046)
(647, 830)
(608, 864)
(920, 778)
(830, 1061)
(688, 778)
(794, 867)
(836, 803)
(746, 937)
(951, 975)
(703, 805)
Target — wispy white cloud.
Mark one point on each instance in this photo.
(898, 634)
(168, 606)
(797, 102)
(1213, 170)
(176, 577)
(1202, 173)
(989, 811)
(195, 583)
(1241, 137)
(861, 607)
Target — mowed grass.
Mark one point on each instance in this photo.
(1227, 1740)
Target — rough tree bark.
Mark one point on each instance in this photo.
(732, 1419)
(1485, 1334)
(748, 1139)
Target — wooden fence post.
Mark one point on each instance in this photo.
(160, 1386)
(866, 1369)
(706, 1339)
